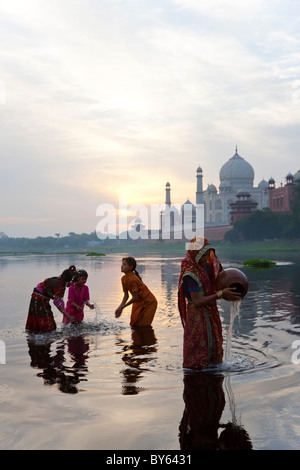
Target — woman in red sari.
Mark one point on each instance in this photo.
(197, 295)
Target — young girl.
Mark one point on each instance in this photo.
(78, 297)
(143, 302)
(40, 316)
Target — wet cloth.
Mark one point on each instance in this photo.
(80, 297)
(143, 311)
(40, 316)
(203, 340)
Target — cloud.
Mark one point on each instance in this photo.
(122, 96)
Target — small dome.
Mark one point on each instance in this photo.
(271, 181)
(168, 185)
(199, 169)
(263, 184)
(211, 189)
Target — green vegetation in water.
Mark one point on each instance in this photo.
(94, 253)
(259, 263)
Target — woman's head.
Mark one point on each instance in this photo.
(68, 274)
(205, 256)
(129, 265)
(200, 249)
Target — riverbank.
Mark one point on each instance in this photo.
(273, 249)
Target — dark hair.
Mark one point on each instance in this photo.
(82, 273)
(68, 274)
(132, 262)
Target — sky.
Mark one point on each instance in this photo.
(109, 99)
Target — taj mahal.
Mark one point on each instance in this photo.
(221, 207)
(236, 184)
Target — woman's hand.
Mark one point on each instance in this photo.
(230, 294)
(118, 312)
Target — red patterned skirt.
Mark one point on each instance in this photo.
(40, 316)
(203, 340)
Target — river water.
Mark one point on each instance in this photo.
(102, 385)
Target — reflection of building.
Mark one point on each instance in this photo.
(280, 198)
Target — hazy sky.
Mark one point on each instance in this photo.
(108, 98)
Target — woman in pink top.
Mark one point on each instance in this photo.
(78, 297)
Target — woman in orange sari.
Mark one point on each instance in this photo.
(203, 339)
(144, 304)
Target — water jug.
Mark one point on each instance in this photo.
(232, 277)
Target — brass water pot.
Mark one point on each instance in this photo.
(232, 277)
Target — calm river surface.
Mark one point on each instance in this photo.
(101, 385)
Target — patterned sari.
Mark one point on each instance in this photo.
(40, 316)
(203, 340)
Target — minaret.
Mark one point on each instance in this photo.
(168, 195)
(199, 193)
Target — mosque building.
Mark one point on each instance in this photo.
(236, 196)
(236, 177)
(280, 198)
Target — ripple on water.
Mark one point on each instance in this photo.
(245, 358)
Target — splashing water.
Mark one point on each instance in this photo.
(234, 312)
(97, 311)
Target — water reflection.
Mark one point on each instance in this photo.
(54, 364)
(136, 355)
(200, 426)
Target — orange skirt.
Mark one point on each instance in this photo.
(143, 312)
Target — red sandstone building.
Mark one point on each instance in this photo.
(280, 198)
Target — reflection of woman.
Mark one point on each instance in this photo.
(40, 316)
(136, 357)
(144, 304)
(203, 340)
(200, 426)
(204, 404)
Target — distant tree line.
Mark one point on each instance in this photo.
(265, 224)
(44, 244)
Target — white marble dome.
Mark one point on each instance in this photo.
(237, 169)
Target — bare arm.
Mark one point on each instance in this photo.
(228, 293)
(124, 303)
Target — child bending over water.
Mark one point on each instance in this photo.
(40, 316)
(78, 297)
(144, 304)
